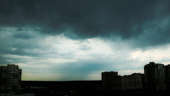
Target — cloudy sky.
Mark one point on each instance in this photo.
(78, 39)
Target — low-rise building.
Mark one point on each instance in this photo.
(132, 82)
(111, 80)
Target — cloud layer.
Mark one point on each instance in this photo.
(78, 39)
(57, 57)
(87, 19)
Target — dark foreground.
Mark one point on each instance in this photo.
(83, 92)
(75, 88)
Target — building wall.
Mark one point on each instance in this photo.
(132, 82)
(154, 76)
(111, 80)
(10, 77)
(167, 76)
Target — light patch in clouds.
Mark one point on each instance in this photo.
(79, 49)
(157, 54)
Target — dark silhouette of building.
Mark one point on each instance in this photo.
(133, 81)
(10, 77)
(167, 76)
(154, 77)
(111, 80)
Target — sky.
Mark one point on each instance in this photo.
(79, 39)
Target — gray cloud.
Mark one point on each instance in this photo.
(154, 33)
(86, 19)
(17, 42)
(3, 60)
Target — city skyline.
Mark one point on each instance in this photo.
(78, 39)
(154, 81)
(116, 73)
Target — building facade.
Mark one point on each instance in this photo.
(10, 77)
(154, 77)
(133, 81)
(111, 80)
(167, 76)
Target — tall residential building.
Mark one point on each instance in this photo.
(167, 76)
(10, 77)
(154, 76)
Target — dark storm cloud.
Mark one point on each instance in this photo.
(23, 36)
(3, 60)
(88, 18)
(18, 41)
(154, 33)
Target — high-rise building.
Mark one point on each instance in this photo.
(167, 76)
(10, 77)
(154, 76)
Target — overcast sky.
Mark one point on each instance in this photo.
(79, 39)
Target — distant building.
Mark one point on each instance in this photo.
(154, 76)
(167, 76)
(111, 80)
(132, 82)
(10, 77)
